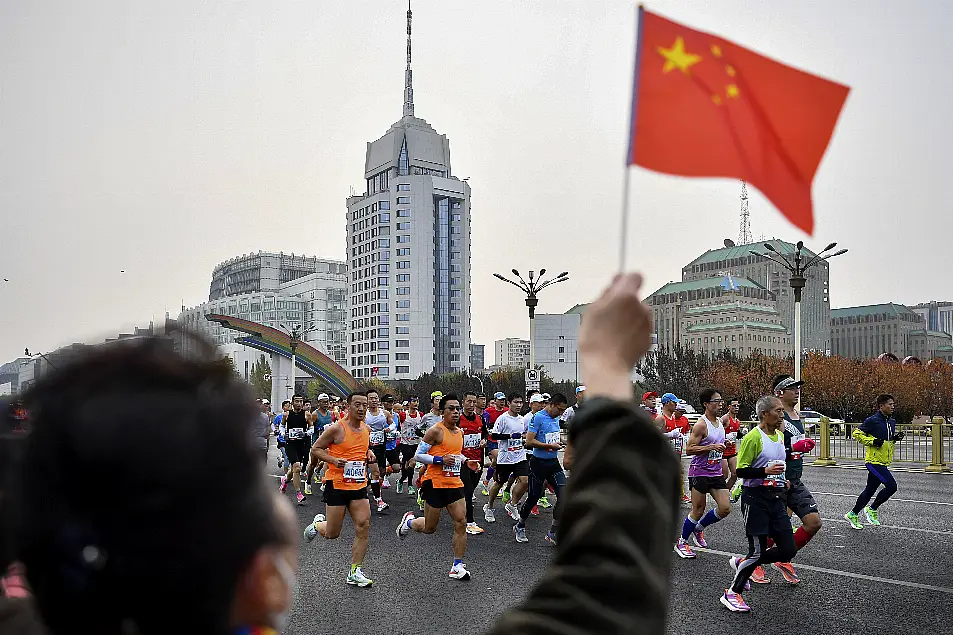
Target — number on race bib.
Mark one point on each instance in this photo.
(553, 438)
(677, 444)
(295, 433)
(774, 480)
(453, 470)
(355, 472)
(471, 440)
(714, 456)
(377, 438)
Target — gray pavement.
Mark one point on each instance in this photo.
(893, 579)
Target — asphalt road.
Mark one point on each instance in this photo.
(893, 579)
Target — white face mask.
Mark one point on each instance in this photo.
(280, 620)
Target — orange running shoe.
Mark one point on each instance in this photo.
(787, 571)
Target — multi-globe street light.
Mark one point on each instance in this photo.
(531, 289)
(797, 266)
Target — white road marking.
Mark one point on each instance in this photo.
(925, 531)
(849, 574)
(899, 500)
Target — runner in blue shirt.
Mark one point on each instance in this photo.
(543, 437)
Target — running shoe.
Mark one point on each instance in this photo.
(459, 572)
(420, 502)
(544, 503)
(853, 519)
(400, 487)
(402, 528)
(300, 498)
(686, 498)
(683, 550)
(506, 496)
(520, 533)
(307, 489)
(311, 531)
(381, 505)
(698, 537)
(734, 602)
(316, 478)
(873, 518)
(385, 483)
(474, 529)
(485, 491)
(411, 490)
(284, 484)
(758, 576)
(734, 561)
(489, 514)
(534, 511)
(512, 511)
(550, 537)
(735, 494)
(357, 578)
(787, 571)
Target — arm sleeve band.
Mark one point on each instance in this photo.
(423, 457)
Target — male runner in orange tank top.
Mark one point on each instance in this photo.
(344, 447)
(441, 451)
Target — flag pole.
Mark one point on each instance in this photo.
(630, 150)
(625, 219)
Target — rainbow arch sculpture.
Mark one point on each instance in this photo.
(307, 358)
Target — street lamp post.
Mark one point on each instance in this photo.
(295, 334)
(531, 289)
(797, 266)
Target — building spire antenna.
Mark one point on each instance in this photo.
(409, 74)
(744, 232)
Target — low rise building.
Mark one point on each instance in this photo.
(866, 331)
(512, 352)
(926, 344)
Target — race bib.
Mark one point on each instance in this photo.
(471, 440)
(408, 436)
(774, 480)
(355, 472)
(714, 456)
(511, 445)
(295, 433)
(377, 438)
(552, 438)
(677, 444)
(453, 470)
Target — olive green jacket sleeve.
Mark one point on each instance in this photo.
(610, 573)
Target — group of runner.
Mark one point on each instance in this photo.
(439, 456)
(763, 470)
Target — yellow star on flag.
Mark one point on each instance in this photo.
(678, 57)
(732, 91)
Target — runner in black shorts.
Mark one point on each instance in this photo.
(296, 423)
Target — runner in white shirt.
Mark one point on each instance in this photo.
(508, 431)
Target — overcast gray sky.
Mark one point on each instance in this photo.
(161, 138)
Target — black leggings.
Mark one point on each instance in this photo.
(470, 481)
(542, 471)
(783, 550)
(407, 453)
(877, 475)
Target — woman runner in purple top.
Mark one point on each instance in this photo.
(706, 446)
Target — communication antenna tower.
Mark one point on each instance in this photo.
(744, 234)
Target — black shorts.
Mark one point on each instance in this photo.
(407, 452)
(341, 497)
(385, 457)
(505, 470)
(764, 511)
(800, 500)
(298, 451)
(707, 484)
(440, 497)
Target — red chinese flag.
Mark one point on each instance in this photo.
(704, 106)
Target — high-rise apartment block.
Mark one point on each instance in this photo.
(408, 245)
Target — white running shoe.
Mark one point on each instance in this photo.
(311, 531)
(402, 528)
(512, 511)
(459, 572)
(385, 483)
(489, 514)
(357, 578)
(381, 505)
(474, 529)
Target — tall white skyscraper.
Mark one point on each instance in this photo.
(408, 244)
